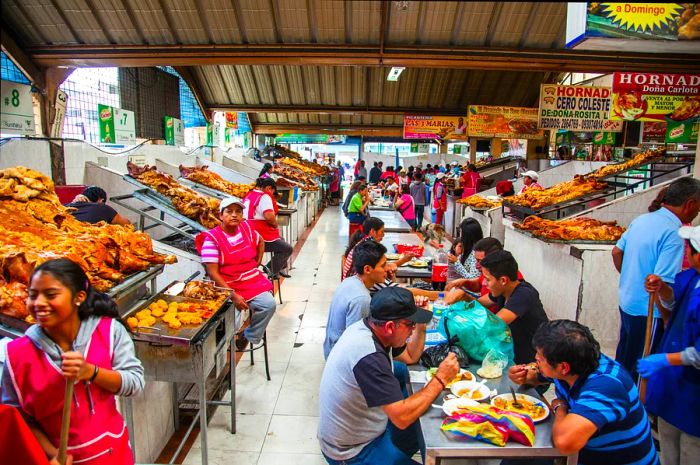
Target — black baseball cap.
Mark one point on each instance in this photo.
(397, 303)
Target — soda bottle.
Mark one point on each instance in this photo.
(439, 275)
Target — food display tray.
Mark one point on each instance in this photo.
(206, 190)
(562, 241)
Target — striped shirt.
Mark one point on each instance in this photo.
(210, 250)
(609, 399)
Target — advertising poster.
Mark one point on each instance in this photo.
(117, 126)
(174, 131)
(653, 131)
(576, 108)
(504, 122)
(685, 132)
(17, 113)
(665, 21)
(231, 120)
(655, 97)
(435, 127)
(604, 138)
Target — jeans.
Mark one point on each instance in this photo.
(262, 308)
(281, 251)
(387, 449)
(357, 218)
(630, 348)
(420, 211)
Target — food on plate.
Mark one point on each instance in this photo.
(574, 229)
(463, 375)
(689, 108)
(528, 406)
(193, 205)
(471, 390)
(638, 160)
(314, 169)
(562, 192)
(418, 263)
(476, 201)
(37, 228)
(203, 176)
(393, 256)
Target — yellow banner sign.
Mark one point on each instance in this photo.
(503, 122)
(435, 127)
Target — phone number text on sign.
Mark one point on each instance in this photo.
(576, 108)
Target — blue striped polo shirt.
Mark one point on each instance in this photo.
(609, 399)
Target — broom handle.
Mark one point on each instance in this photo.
(647, 342)
(65, 422)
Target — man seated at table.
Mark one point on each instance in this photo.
(517, 301)
(364, 417)
(231, 254)
(351, 298)
(372, 228)
(597, 412)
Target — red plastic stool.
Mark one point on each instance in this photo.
(354, 227)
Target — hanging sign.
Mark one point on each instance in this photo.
(59, 114)
(117, 126)
(655, 97)
(576, 108)
(683, 132)
(503, 122)
(653, 131)
(435, 127)
(174, 131)
(17, 113)
(213, 134)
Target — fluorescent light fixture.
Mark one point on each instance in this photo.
(394, 73)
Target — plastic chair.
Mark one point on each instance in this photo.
(353, 227)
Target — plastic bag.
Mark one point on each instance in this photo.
(433, 356)
(478, 330)
(493, 364)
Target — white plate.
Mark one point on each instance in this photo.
(452, 405)
(393, 256)
(429, 375)
(534, 400)
(482, 393)
(418, 264)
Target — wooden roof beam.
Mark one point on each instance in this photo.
(416, 56)
(335, 109)
(357, 130)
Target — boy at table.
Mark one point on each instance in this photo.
(597, 413)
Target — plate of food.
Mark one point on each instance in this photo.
(458, 405)
(530, 406)
(630, 105)
(418, 264)
(393, 256)
(470, 390)
(463, 375)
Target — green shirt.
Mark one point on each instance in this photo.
(355, 204)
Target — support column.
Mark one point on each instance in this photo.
(53, 78)
(472, 150)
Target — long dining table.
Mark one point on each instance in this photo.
(391, 238)
(393, 221)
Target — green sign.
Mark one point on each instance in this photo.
(604, 138)
(682, 132)
(17, 109)
(117, 126)
(309, 139)
(174, 131)
(414, 147)
(563, 138)
(213, 134)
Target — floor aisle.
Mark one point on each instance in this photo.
(277, 419)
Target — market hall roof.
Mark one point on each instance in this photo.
(330, 57)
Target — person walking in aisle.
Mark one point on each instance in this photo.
(418, 192)
(439, 198)
(650, 245)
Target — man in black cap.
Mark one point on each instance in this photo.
(359, 393)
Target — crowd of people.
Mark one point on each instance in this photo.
(376, 325)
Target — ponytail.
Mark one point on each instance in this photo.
(97, 304)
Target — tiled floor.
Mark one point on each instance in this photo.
(277, 419)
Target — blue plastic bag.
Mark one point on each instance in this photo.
(478, 330)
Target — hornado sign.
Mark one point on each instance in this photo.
(576, 108)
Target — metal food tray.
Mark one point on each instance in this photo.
(158, 201)
(562, 241)
(13, 323)
(162, 334)
(154, 193)
(556, 207)
(206, 190)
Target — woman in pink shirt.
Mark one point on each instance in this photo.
(404, 204)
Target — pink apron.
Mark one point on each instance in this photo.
(238, 263)
(268, 233)
(98, 434)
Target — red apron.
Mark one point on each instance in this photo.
(251, 201)
(238, 263)
(98, 434)
(439, 203)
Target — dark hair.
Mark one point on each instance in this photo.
(469, 234)
(501, 263)
(262, 183)
(361, 187)
(375, 163)
(570, 342)
(95, 194)
(418, 176)
(406, 189)
(681, 190)
(355, 185)
(657, 203)
(267, 167)
(369, 224)
(71, 275)
(367, 253)
(471, 167)
(488, 245)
